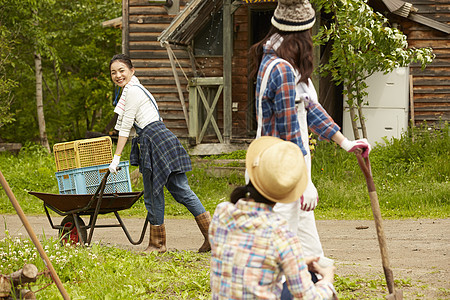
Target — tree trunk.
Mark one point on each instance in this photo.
(362, 121)
(39, 101)
(27, 274)
(9, 284)
(23, 294)
(354, 124)
(5, 286)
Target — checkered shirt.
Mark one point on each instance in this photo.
(251, 249)
(279, 110)
(158, 149)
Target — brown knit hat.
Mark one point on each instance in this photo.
(293, 15)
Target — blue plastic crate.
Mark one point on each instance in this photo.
(86, 180)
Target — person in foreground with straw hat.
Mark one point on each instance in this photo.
(251, 246)
(290, 106)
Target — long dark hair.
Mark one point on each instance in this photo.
(296, 48)
(248, 191)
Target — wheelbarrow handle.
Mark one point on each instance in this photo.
(102, 185)
(99, 197)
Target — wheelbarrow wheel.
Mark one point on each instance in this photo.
(69, 232)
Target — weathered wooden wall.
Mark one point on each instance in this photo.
(431, 85)
(147, 20)
(152, 64)
(240, 72)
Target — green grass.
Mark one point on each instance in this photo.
(411, 180)
(102, 272)
(99, 272)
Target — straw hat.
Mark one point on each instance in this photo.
(276, 169)
(293, 15)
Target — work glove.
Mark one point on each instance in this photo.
(308, 203)
(114, 164)
(308, 102)
(351, 146)
(310, 197)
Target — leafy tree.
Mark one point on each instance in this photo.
(75, 51)
(22, 19)
(362, 44)
(6, 84)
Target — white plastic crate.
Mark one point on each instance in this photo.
(86, 180)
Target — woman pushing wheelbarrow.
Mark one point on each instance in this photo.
(161, 158)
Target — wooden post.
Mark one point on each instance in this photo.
(411, 98)
(125, 27)
(193, 113)
(177, 81)
(227, 69)
(411, 105)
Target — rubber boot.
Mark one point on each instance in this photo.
(203, 220)
(157, 240)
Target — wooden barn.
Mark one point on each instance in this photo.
(192, 55)
(426, 24)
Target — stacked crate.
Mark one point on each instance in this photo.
(82, 164)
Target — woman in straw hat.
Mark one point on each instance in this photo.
(289, 105)
(251, 246)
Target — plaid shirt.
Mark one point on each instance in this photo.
(251, 249)
(158, 149)
(279, 110)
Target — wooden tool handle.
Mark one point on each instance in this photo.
(364, 164)
(33, 236)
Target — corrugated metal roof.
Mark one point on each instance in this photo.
(407, 10)
(189, 21)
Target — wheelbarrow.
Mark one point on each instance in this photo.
(73, 229)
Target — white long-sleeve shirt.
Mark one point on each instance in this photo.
(138, 109)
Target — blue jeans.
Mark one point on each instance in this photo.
(286, 294)
(178, 185)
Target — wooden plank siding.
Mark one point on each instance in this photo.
(146, 22)
(431, 86)
(212, 66)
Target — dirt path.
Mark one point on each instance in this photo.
(419, 249)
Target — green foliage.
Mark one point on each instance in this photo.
(362, 43)
(356, 287)
(99, 272)
(32, 170)
(411, 178)
(75, 51)
(238, 154)
(6, 84)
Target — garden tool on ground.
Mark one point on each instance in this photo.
(33, 236)
(364, 164)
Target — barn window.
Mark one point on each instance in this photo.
(209, 40)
